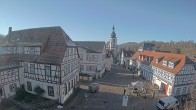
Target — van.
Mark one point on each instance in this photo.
(167, 103)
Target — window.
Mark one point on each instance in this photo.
(67, 52)
(25, 67)
(32, 68)
(81, 68)
(96, 58)
(71, 51)
(32, 50)
(178, 91)
(69, 86)
(47, 72)
(189, 89)
(12, 87)
(65, 70)
(165, 63)
(29, 86)
(81, 57)
(68, 68)
(1, 91)
(171, 65)
(50, 91)
(157, 60)
(184, 89)
(72, 83)
(15, 49)
(65, 88)
(91, 68)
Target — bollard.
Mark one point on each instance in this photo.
(133, 107)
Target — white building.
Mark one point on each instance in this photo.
(125, 56)
(174, 73)
(47, 58)
(92, 57)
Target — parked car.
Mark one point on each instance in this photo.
(167, 103)
(93, 87)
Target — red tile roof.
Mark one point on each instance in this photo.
(183, 59)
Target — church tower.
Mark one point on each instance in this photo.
(112, 43)
(113, 39)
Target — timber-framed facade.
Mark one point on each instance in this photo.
(45, 57)
(173, 73)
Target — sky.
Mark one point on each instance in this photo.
(92, 20)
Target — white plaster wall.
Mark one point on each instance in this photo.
(44, 86)
(21, 75)
(7, 91)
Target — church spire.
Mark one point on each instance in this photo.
(113, 34)
(113, 28)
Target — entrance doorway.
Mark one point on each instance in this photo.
(163, 86)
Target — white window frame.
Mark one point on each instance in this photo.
(32, 68)
(26, 67)
(48, 72)
(171, 64)
(164, 63)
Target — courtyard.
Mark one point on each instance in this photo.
(110, 95)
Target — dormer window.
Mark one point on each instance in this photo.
(148, 59)
(171, 64)
(140, 57)
(164, 63)
(157, 60)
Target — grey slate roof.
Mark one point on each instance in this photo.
(7, 62)
(53, 41)
(128, 53)
(92, 46)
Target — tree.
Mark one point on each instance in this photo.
(20, 94)
(39, 92)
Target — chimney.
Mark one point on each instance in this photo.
(9, 34)
(10, 30)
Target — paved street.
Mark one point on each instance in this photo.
(110, 94)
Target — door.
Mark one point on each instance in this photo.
(166, 88)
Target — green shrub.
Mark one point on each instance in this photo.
(39, 92)
(20, 94)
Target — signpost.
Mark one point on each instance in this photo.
(125, 100)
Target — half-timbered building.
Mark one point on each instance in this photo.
(9, 75)
(173, 73)
(47, 58)
(92, 57)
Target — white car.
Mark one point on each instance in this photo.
(167, 103)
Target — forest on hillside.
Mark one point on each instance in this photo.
(182, 47)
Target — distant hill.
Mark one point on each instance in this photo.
(182, 47)
(129, 46)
